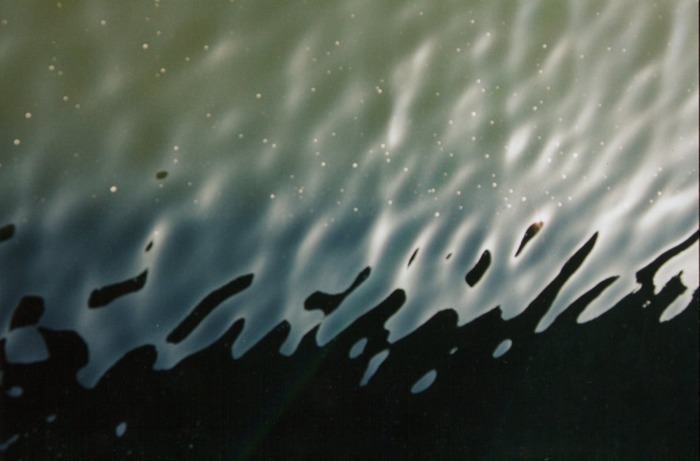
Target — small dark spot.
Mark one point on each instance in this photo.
(449, 255)
(529, 234)
(413, 256)
(162, 174)
(207, 305)
(6, 232)
(149, 246)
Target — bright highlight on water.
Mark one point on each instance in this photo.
(299, 145)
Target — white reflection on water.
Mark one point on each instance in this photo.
(306, 142)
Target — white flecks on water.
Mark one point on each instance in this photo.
(305, 153)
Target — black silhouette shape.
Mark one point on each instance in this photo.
(207, 305)
(475, 274)
(105, 295)
(28, 312)
(328, 303)
(620, 386)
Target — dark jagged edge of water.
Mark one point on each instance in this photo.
(621, 385)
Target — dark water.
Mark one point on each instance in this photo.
(368, 188)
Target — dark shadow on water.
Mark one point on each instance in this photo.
(207, 306)
(622, 386)
(105, 295)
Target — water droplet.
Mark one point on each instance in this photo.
(502, 348)
(424, 382)
(358, 348)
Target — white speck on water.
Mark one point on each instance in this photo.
(28, 115)
(17, 142)
(113, 189)
(144, 46)
(120, 429)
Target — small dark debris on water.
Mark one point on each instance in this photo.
(6, 232)
(149, 246)
(413, 256)
(162, 174)
(529, 234)
(474, 275)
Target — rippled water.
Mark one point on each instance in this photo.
(302, 142)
